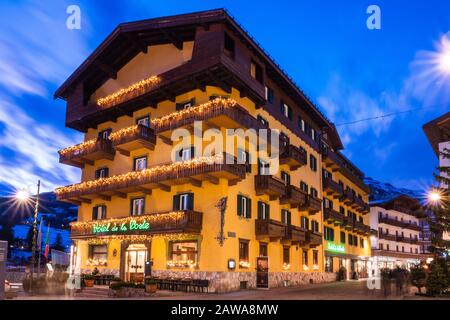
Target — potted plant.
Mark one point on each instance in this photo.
(89, 280)
(150, 285)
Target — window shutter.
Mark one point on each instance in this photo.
(249, 208)
(94, 211)
(282, 106)
(290, 113)
(97, 174)
(268, 211)
(106, 172)
(192, 152)
(248, 164)
(176, 202)
(260, 209)
(239, 205)
(103, 208)
(191, 201)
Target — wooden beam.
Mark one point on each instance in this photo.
(164, 187)
(145, 190)
(78, 203)
(87, 161)
(124, 152)
(136, 42)
(199, 85)
(212, 179)
(120, 194)
(220, 83)
(233, 182)
(85, 200)
(166, 140)
(110, 72)
(175, 41)
(104, 197)
(196, 182)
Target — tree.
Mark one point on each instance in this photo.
(418, 277)
(438, 280)
(29, 238)
(6, 234)
(58, 245)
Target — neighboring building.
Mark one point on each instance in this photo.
(438, 134)
(398, 240)
(138, 210)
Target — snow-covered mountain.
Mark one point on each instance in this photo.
(382, 191)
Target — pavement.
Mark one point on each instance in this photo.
(349, 290)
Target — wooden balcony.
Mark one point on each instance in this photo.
(349, 224)
(187, 221)
(87, 152)
(399, 223)
(269, 185)
(332, 188)
(294, 235)
(355, 202)
(312, 205)
(407, 240)
(268, 228)
(332, 216)
(294, 196)
(313, 239)
(362, 228)
(385, 236)
(162, 177)
(293, 156)
(132, 138)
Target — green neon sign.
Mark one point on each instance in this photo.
(131, 225)
(336, 247)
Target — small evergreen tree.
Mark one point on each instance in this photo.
(418, 277)
(58, 245)
(29, 238)
(437, 281)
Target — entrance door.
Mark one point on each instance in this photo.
(262, 272)
(136, 256)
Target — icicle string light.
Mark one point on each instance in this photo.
(140, 238)
(78, 148)
(117, 135)
(137, 177)
(129, 92)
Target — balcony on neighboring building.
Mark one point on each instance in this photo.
(268, 228)
(195, 172)
(332, 188)
(294, 235)
(407, 240)
(186, 221)
(399, 223)
(332, 216)
(87, 152)
(349, 223)
(293, 156)
(313, 239)
(387, 236)
(294, 196)
(269, 185)
(132, 138)
(362, 228)
(312, 205)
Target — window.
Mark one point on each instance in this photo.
(285, 110)
(256, 71)
(315, 257)
(263, 167)
(286, 178)
(342, 210)
(301, 124)
(263, 252)
(417, 250)
(387, 246)
(101, 173)
(305, 257)
(104, 134)
(185, 154)
(243, 250)
(243, 157)
(99, 212)
(183, 251)
(361, 242)
(137, 206)
(304, 187)
(328, 263)
(140, 163)
(327, 203)
(314, 192)
(304, 222)
(144, 121)
(313, 163)
(342, 237)
(263, 210)
(314, 226)
(185, 105)
(350, 239)
(98, 252)
(328, 234)
(403, 249)
(355, 241)
(381, 246)
(183, 201)
(263, 121)
(228, 45)
(286, 217)
(244, 205)
(269, 95)
(286, 255)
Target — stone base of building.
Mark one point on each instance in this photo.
(221, 282)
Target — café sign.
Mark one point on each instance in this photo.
(339, 248)
(121, 227)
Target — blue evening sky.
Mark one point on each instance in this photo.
(351, 72)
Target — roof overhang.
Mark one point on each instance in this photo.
(436, 129)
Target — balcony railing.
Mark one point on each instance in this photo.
(387, 236)
(362, 228)
(268, 228)
(160, 177)
(407, 240)
(293, 156)
(313, 239)
(87, 152)
(269, 185)
(132, 138)
(332, 216)
(294, 235)
(187, 221)
(332, 188)
(399, 223)
(294, 196)
(312, 205)
(355, 202)
(349, 223)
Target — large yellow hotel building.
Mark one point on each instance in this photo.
(149, 205)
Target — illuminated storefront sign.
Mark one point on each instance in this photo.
(336, 247)
(110, 227)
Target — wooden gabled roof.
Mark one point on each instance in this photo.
(438, 130)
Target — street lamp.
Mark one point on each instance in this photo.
(23, 196)
(434, 196)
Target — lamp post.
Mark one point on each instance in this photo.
(23, 195)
